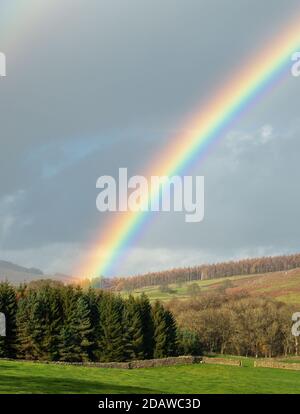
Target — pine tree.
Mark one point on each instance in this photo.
(93, 304)
(172, 339)
(133, 330)
(38, 323)
(75, 335)
(23, 339)
(52, 311)
(69, 347)
(160, 331)
(147, 326)
(112, 341)
(8, 306)
(28, 327)
(84, 328)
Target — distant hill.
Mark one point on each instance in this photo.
(283, 286)
(244, 267)
(18, 274)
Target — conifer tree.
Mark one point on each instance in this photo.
(112, 341)
(24, 341)
(133, 330)
(147, 326)
(38, 323)
(171, 330)
(51, 307)
(69, 348)
(75, 336)
(160, 331)
(84, 328)
(93, 303)
(63, 322)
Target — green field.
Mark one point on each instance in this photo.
(20, 377)
(283, 286)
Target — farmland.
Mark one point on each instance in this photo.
(26, 377)
(283, 286)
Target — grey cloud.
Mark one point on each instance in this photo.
(106, 84)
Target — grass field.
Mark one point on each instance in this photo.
(20, 377)
(283, 286)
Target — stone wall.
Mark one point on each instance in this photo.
(150, 363)
(147, 363)
(271, 363)
(164, 362)
(222, 361)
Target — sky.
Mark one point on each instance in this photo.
(96, 85)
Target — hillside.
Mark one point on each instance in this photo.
(17, 274)
(283, 286)
(203, 272)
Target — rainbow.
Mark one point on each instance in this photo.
(201, 131)
(18, 20)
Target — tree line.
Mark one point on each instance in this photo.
(203, 272)
(49, 321)
(235, 324)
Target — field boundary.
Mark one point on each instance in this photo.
(276, 364)
(146, 363)
(222, 361)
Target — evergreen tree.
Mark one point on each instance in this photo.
(24, 343)
(38, 323)
(75, 335)
(51, 306)
(147, 326)
(93, 303)
(160, 331)
(84, 328)
(69, 347)
(112, 341)
(51, 322)
(28, 327)
(133, 330)
(8, 306)
(69, 350)
(171, 331)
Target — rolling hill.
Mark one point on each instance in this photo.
(283, 286)
(17, 274)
